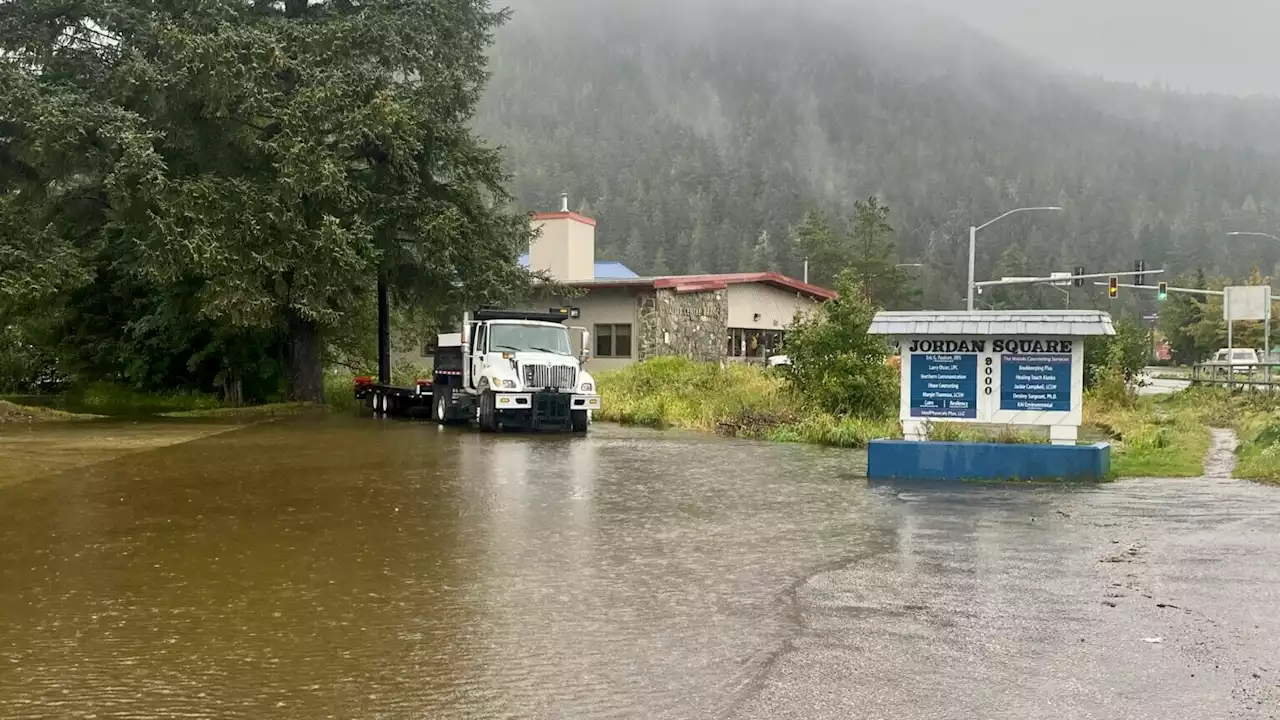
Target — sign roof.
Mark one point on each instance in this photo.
(1057, 323)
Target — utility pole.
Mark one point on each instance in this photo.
(973, 238)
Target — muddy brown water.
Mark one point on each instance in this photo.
(353, 568)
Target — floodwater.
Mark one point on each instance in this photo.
(355, 568)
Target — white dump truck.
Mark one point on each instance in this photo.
(506, 369)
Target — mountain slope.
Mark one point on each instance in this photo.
(700, 136)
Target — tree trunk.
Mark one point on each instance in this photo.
(306, 364)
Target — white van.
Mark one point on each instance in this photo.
(1235, 357)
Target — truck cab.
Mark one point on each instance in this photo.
(514, 369)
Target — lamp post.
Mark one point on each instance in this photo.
(973, 236)
(1267, 324)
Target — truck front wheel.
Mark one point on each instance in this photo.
(488, 412)
(579, 420)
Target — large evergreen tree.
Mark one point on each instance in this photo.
(874, 259)
(277, 156)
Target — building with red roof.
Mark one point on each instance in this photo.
(737, 317)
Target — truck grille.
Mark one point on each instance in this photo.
(558, 377)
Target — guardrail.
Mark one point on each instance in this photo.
(1253, 376)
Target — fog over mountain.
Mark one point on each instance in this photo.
(700, 133)
(1227, 47)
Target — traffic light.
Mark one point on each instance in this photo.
(1139, 272)
(1162, 291)
(1079, 281)
(1113, 287)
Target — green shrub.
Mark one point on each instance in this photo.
(836, 366)
(340, 392)
(1116, 358)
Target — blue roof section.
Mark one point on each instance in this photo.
(607, 270)
(613, 270)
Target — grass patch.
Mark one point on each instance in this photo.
(1254, 416)
(118, 400)
(1007, 434)
(110, 400)
(1150, 438)
(824, 429)
(250, 411)
(1258, 456)
(14, 413)
(674, 392)
(737, 400)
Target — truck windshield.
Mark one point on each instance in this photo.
(526, 338)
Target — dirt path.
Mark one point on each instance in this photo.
(1221, 459)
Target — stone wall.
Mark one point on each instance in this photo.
(689, 324)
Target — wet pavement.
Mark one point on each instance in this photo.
(349, 568)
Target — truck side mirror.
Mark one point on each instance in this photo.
(586, 345)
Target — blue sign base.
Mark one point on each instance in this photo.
(903, 460)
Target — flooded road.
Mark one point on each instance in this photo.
(348, 568)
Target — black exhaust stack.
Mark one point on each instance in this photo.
(384, 334)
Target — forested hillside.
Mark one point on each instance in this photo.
(700, 134)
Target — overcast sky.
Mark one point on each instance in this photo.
(1229, 46)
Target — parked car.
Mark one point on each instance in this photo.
(1235, 361)
(778, 360)
(1236, 356)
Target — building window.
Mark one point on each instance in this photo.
(754, 344)
(613, 341)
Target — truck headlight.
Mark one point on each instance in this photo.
(509, 384)
(588, 387)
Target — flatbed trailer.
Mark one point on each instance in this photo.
(415, 402)
(548, 411)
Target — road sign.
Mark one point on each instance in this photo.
(1066, 280)
(1247, 302)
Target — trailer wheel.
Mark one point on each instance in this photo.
(488, 410)
(579, 420)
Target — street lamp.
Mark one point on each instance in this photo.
(973, 236)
